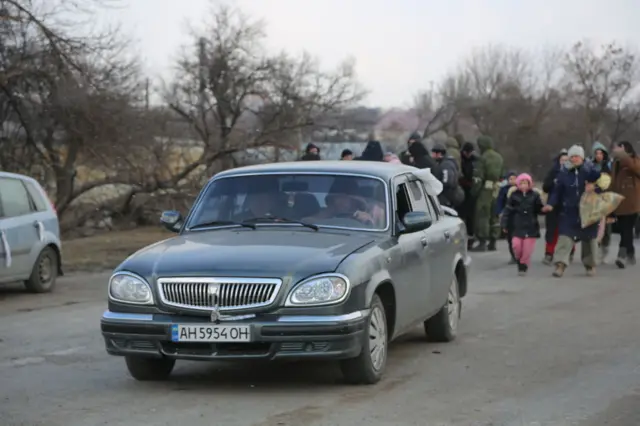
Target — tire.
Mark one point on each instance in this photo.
(149, 369)
(368, 367)
(443, 326)
(44, 273)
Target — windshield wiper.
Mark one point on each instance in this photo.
(223, 223)
(280, 219)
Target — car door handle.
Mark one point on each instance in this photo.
(40, 228)
(424, 241)
(447, 235)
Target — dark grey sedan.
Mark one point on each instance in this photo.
(304, 260)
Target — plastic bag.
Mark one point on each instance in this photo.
(431, 184)
(594, 207)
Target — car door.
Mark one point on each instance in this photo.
(18, 229)
(410, 277)
(433, 250)
(440, 235)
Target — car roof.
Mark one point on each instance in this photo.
(379, 169)
(18, 176)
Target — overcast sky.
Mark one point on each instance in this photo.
(399, 45)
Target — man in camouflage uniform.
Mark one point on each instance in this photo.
(486, 185)
(453, 150)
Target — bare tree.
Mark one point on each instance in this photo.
(509, 94)
(236, 96)
(70, 104)
(435, 112)
(603, 83)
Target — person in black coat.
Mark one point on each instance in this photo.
(421, 156)
(406, 158)
(520, 220)
(446, 171)
(551, 219)
(571, 183)
(372, 152)
(468, 164)
(311, 153)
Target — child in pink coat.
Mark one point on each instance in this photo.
(521, 214)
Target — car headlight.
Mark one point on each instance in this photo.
(319, 290)
(130, 288)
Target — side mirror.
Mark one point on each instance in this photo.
(415, 221)
(172, 220)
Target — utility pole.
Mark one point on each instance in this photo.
(146, 94)
(202, 62)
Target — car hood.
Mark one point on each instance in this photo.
(266, 253)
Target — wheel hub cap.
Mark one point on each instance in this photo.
(377, 338)
(453, 304)
(44, 269)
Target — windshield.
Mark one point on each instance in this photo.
(324, 200)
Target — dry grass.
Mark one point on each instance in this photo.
(105, 251)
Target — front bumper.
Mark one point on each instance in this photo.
(273, 337)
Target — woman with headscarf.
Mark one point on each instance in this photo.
(372, 152)
(421, 156)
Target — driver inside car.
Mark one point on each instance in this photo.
(343, 202)
(262, 201)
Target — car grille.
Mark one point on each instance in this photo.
(222, 293)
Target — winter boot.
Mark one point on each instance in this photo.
(482, 246)
(631, 259)
(492, 245)
(591, 271)
(622, 258)
(522, 269)
(548, 259)
(559, 271)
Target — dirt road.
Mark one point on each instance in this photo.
(532, 351)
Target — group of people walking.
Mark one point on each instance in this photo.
(617, 170)
(494, 204)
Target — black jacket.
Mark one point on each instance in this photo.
(421, 157)
(549, 181)
(467, 165)
(520, 216)
(372, 152)
(446, 171)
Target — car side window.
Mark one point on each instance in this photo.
(403, 203)
(37, 198)
(435, 206)
(14, 198)
(419, 200)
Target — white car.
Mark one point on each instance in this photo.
(30, 248)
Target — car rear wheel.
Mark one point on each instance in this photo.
(149, 369)
(44, 273)
(443, 326)
(368, 367)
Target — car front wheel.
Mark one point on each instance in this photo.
(443, 326)
(44, 273)
(368, 367)
(149, 369)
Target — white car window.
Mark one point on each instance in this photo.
(14, 198)
(37, 198)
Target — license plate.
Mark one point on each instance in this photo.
(210, 333)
